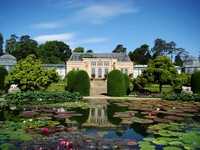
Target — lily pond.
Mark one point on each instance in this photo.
(106, 124)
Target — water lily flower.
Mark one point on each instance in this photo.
(24, 121)
(45, 129)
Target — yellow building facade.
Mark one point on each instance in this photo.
(99, 64)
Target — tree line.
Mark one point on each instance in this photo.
(58, 52)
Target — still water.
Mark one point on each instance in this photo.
(103, 126)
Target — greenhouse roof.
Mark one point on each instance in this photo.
(123, 57)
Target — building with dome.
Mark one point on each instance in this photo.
(191, 64)
(8, 61)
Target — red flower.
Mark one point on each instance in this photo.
(45, 129)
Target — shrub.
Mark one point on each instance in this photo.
(195, 82)
(81, 83)
(181, 97)
(116, 83)
(3, 74)
(40, 98)
(127, 84)
(70, 80)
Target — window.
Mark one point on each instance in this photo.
(126, 71)
(106, 71)
(100, 63)
(93, 72)
(100, 73)
(106, 63)
(93, 63)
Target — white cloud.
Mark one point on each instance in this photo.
(98, 13)
(58, 37)
(95, 11)
(46, 26)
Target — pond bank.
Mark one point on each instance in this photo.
(129, 98)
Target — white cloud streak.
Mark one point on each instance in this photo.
(52, 37)
(46, 26)
(96, 11)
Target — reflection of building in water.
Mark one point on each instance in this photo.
(98, 117)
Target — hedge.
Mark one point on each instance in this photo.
(195, 82)
(116, 83)
(81, 83)
(70, 80)
(127, 84)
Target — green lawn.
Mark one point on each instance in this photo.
(156, 89)
(60, 86)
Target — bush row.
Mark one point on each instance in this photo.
(37, 97)
(181, 97)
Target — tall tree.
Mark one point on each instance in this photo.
(119, 49)
(163, 48)
(178, 61)
(159, 48)
(54, 52)
(11, 44)
(140, 55)
(1, 44)
(24, 47)
(79, 50)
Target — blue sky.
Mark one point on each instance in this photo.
(101, 25)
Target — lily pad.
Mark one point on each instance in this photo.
(174, 118)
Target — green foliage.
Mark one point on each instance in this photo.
(22, 48)
(54, 52)
(70, 80)
(195, 82)
(183, 79)
(39, 98)
(161, 71)
(29, 74)
(79, 50)
(140, 55)
(116, 83)
(81, 83)
(127, 84)
(3, 74)
(181, 97)
(173, 136)
(119, 49)
(1, 44)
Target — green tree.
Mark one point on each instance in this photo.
(161, 71)
(89, 51)
(79, 50)
(3, 74)
(1, 44)
(116, 83)
(10, 44)
(163, 48)
(140, 55)
(119, 49)
(24, 47)
(178, 61)
(54, 52)
(29, 74)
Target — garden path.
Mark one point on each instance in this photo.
(98, 88)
